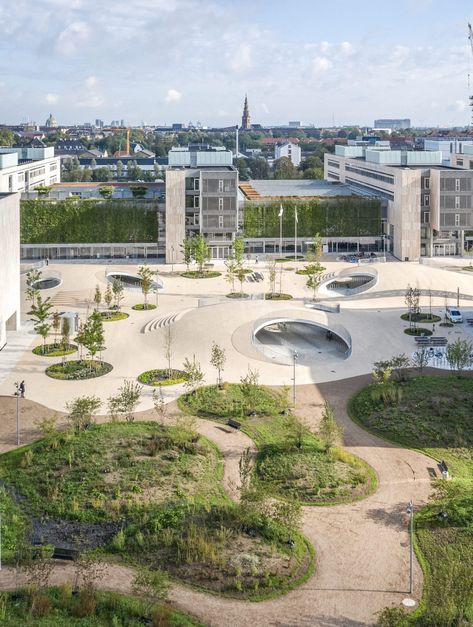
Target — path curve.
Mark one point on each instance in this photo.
(362, 548)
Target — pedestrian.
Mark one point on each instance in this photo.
(256, 259)
(47, 261)
(21, 388)
(433, 329)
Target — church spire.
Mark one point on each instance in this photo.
(245, 118)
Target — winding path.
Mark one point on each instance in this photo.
(362, 548)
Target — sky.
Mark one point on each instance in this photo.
(336, 62)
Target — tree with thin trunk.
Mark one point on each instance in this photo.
(125, 402)
(65, 336)
(146, 276)
(32, 278)
(108, 296)
(230, 275)
(82, 410)
(194, 374)
(459, 355)
(40, 312)
(93, 336)
(56, 324)
(158, 402)
(329, 430)
(420, 359)
(272, 275)
(118, 289)
(187, 248)
(168, 348)
(238, 250)
(241, 275)
(218, 359)
(201, 252)
(97, 297)
(313, 271)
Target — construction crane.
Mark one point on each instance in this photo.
(470, 37)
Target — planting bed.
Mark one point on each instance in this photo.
(79, 369)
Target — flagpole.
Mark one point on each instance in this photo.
(280, 229)
(295, 233)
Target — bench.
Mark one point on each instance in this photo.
(234, 423)
(438, 341)
(421, 339)
(469, 320)
(61, 553)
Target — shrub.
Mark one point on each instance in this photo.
(85, 604)
(161, 377)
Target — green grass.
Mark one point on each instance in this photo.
(292, 463)
(277, 296)
(434, 415)
(237, 295)
(113, 316)
(58, 607)
(141, 307)
(205, 274)
(417, 331)
(162, 377)
(54, 350)
(303, 271)
(422, 318)
(78, 369)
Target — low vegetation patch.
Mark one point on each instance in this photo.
(205, 274)
(162, 376)
(141, 307)
(304, 270)
(417, 331)
(434, 414)
(113, 315)
(271, 296)
(54, 350)
(67, 607)
(79, 369)
(421, 317)
(238, 295)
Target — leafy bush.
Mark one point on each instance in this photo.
(162, 377)
(141, 307)
(113, 316)
(79, 369)
(54, 350)
(205, 274)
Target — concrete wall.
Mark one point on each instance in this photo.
(9, 264)
(404, 214)
(175, 214)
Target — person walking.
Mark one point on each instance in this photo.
(21, 389)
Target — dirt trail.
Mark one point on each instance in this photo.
(362, 548)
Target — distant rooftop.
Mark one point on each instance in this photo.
(278, 188)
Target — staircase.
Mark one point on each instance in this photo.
(163, 321)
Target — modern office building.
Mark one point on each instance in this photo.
(448, 147)
(9, 265)
(395, 124)
(201, 200)
(289, 150)
(197, 155)
(430, 206)
(23, 169)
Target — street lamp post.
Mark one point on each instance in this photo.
(294, 359)
(17, 394)
(157, 288)
(410, 511)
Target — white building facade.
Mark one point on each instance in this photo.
(9, 265)
(289, 150)
(23, 169)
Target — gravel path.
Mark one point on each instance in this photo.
(362, 549)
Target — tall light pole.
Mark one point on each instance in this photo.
(17, 394)
(410, 511)
(157, 288)
(294, 360)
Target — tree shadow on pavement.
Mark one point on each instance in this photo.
(394, 516)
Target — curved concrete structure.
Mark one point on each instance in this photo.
(131, 281)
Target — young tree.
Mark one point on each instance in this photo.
(201, 252)
(108, 296)
(384, 388)
(420, 359)
(118, 289)
(238, 250)
(32, 278)
(146, 275)
(97, 297)
(272, 275)
(187, 248)
(65, 336)
(231, 266)
(399, 365)
(314, 254)
(39, 315)
(241, 275)
(93, 334)
(81, 411)
(313, 271)
(119, 169)
(194, 374)
(106, 191)
(158, 402)
(460, 355)
(124, 403)
(218, 359)
(411, 299)
(56, 324)
(168, 348)
(329, 430)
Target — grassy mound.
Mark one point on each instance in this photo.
(141, 307)
(64, 607)
(79, 369)
(422, 318)
(417, 331)
(434, 415)
(292, 463)
(113, 315)
(54, 350)
(205, 274)
(270, 296)
(162, 377)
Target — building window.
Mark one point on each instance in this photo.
(220, 204)
(457, 185)
(220, 222)
(457, 202)
(196, 202)
(220, 185)
(427, 182)
(459, 161)
(457, 219)
(426, 200)
(196, 185)
(196, 219)
(426, 217)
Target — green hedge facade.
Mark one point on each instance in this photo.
(340, 217)
(75, 221)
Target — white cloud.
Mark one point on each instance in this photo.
(173, 95)
(90, 82)
(72, 37)
(325, 46)
(346, 47)
(240, 59)
(321, 65)
(51, 99)
(460, 105)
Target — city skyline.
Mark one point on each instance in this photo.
(180, 60)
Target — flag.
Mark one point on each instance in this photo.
(281, 211)
(295, 215)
